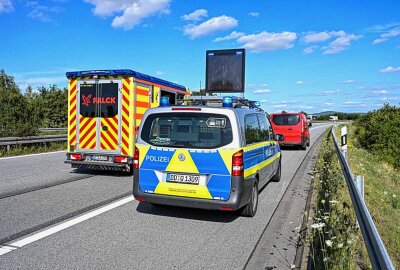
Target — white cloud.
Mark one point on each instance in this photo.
(6, 6)
(390, 69)
(129, 12)
(350, 81)
(233, 35)
(386, 36)
(341, 43)
(300, 82)
(328, 93)
(315, 37)
(329, 103)
(254, 14)
(160, 73)
(280, 106)
(354, 104)
(380, 92)
(310, 49)
(41, 12)
(196, 15)
(208, 27)
(262, 91)
(266, 41)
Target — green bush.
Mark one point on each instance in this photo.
(23, 114)
(379, 132)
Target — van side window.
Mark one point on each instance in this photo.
(264, 127)
(252, 129)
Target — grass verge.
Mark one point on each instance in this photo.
(32, 149)
(334, 237)
(382, 194)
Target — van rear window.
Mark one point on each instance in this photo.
(286, 119)
(187, 130)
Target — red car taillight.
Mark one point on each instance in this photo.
(76, 157)
(121, 159)
(136, 158)
(237, 163)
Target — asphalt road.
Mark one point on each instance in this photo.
(40, 191)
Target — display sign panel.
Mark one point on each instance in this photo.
(225, 70)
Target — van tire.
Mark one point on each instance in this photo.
(251, 208)
(308, 142)
(277, 176)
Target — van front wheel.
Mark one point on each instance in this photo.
(251, 208)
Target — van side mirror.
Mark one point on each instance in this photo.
(279, 137)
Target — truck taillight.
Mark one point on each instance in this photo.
(121, 159)
(136, 158)
(237, 163)
(76, 157)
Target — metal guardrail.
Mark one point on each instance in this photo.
(8, 141)
(52, 129)
(376, 249)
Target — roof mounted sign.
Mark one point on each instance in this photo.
(225, 71)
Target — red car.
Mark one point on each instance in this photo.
(294, 128)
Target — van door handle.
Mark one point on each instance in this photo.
(290, 129)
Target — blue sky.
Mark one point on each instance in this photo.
(300, 55)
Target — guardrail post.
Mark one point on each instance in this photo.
(8, 148)
(360, 184)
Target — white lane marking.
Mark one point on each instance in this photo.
(32, 155)
(5, 249)
(62, 226)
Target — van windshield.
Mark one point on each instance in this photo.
(286, 119)
(187, 130)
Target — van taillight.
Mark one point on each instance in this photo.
(237, 163)
(136, 158)
(76, 157)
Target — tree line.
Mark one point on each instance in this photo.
(378, 131)
(23, 113)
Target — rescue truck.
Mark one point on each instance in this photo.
(105, 109)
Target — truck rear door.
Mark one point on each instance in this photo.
(99, 110)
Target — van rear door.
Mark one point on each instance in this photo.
(288, 125)
(99, 116)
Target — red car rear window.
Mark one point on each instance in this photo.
(286, 119)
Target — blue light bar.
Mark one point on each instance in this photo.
(164, 102)
(227, 102)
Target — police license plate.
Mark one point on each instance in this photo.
(183, 178)
(99, 158)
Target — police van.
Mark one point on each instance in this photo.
(214, 155)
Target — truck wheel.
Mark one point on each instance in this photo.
(308, 142)
(277, 176)
(251, 208)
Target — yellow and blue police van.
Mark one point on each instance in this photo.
(214, 155)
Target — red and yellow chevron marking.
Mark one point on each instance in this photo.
(109, 137)
(142, 103)
(126, 101)
(72, 113)
(87, 132)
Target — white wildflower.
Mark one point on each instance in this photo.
(385, 192)
(394, 195)
(323, 201)
(340, 245)
(317, 225)
(333, 202)
(329, 243)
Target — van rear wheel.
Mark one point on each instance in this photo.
(251, 208)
